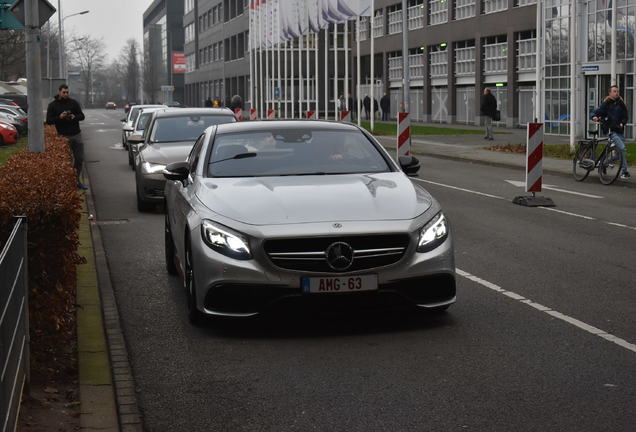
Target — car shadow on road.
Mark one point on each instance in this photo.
(303, 324)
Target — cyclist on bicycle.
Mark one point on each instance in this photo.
(613, 115)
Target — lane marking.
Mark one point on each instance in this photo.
(568, 213)
(554, 188)
(460, 189)
(553, 313)
(552, 209)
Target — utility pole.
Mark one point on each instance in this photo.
(406, 83)
(34, 76)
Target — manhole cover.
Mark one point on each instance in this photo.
(112, 222)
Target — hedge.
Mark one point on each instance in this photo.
(43, 187)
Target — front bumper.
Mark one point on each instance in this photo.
(151, 186)
(229, 287)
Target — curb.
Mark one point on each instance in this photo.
(125, 415)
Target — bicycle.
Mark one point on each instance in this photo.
(608, 162)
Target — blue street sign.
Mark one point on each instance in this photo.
(8, 21)
(590, 68)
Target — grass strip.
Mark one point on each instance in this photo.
(557, 151)
(9, 150)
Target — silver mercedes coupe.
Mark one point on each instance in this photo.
(269, 214)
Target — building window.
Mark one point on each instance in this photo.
(190, 64)
(188, 5)
(525, 2)
(416, 14)
(527, 51)
(464, 9)
(492, 6)
(394, 17)
(416, 63)
(437, 12)
(364, 28)
(438, 61)
(189, 33)
(395, 66)
(378, 23)
(495, 55)
(465, 58)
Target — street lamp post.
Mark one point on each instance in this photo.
(62, 47)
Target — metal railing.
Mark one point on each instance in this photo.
(14, 324)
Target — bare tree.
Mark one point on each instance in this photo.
(129, 66)
(89, 54)
(12, 55)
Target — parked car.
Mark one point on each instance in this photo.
(111, 105)
(8, 134)
(298, 212)
(8, 102)
(20, 99)
(169, 138)
(16, 117)
(139, 126)
(129, 120)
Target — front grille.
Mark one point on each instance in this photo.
(309, 254)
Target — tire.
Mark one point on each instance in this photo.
(608, 173)
(583, 152)
(1, 140)
(194, 315)
(143, 206)
(130, 159)
(171, 268)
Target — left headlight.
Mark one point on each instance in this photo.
(224, 241)
(152, 168)
(433, 233)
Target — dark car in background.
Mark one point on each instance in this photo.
(111, 105)
(8, 102)
(20, 99)
(168, 138)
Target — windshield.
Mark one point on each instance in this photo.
(134, 113)
(294, 152)
(185, 128)
(143, 121)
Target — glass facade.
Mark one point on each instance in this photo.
(557, 66)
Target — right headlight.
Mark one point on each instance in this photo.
(433, 233)
(224, 241)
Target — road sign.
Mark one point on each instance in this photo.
(74, 74)
(178, 62)
(45, 11)
(8, 21)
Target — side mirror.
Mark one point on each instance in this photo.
(177, 171)
(128, 129)
(410, 165)
(136, 139)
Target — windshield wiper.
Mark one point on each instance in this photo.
(238, 156)
(305, 174)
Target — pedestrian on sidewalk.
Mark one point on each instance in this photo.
(614, 116)
(65, 113)
(366, 102)
(385, 104)
(488, 110)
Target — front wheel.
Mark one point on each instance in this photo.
(610, 165)
(583, 162)
(169, 248)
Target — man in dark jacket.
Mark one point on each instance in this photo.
(613, 113)
(385, 104)
(366, 102)
(65, 113)
(488, 109)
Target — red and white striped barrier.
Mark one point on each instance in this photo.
(534, 157)
(238, 113)
(253, 114)
(403, 134)
(310, 115)
(271, 114)
(345, 116)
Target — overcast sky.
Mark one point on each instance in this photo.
(114, 21)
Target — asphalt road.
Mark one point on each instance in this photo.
(541, 338)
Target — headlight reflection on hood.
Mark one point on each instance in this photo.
(433, 233)
(225, 242)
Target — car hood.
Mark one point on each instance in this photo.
(166, 153)
(306, 199)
